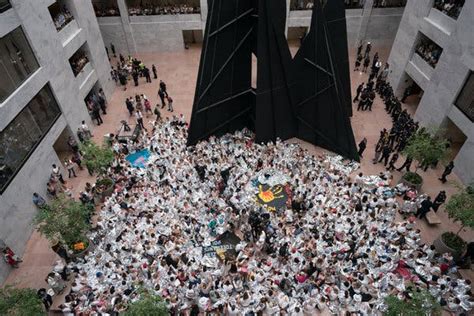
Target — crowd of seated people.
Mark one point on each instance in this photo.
(62, 19)
(389, 3)
(308, 4)
(451, 8)
(78, 62)
(106, 11)
(429, 51)
(162, 10)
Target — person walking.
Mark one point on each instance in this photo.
(406, 164)
(161, 94)
(386, 151)
(440, 199)
(358, 62)
(393, 160)
(157, 112)
(155, 73)
(163, 87)
(368, 48)
(146, 72)
(424, 208)
(366, 63)
(139, 117)
(447, 171)
(358, 91)
(362, 146)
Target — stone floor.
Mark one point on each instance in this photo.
(179, 71)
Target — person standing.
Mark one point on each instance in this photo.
(129, 105)
(70, 168)
(358, 91)
(96, 113)
(86, 130)
(359, 48)
(362, 146)
(155, 74)
(56, 173)
(76, 158)
(135, 77)
(447, 171)
(123, 80)
(358, 62)
(112, 47)
(170, 104)
(146, 72)
(425, 208)
(139, 117)
(367, 49)
(440, 199)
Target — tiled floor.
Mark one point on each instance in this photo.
(179, 71)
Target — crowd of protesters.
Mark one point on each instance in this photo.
(429, 51)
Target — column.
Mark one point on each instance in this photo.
(127, 28)
(364, 23)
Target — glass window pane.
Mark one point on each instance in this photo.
(465, 101)
(17, 62)
(25, 132)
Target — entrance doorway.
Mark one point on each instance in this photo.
(415, 93)
(455, 136)
(192, 38)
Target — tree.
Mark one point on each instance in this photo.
(427, 147)
(421, 302)
(65, 220)
(19, 302)
(148, 304)
(97, 158)
(460, 208)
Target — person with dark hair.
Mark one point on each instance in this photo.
(362, 146)
(155, 73)
(358, 92)
(393, 160)
(447, 171)
(112, 48)
(440, 199)
(425, 208)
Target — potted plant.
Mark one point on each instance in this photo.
(96, 158)
(104, 187)
(460, 208)
(15, 301)
(421, 302)
(148, 304)
(428, 148)
(66, 221)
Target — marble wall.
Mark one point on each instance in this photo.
(447, 79)
(52, 50)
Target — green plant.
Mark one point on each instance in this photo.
(97, 158)
(413, 177)
(148, 304)
(421, 302)
(427, 147)
(66, 221)
(460, 208)
(453, 241)
(19, 302)
(104, 182)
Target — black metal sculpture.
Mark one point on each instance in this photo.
(304, 97)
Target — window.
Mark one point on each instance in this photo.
(451, 8)
(17, 62)
(20, 138)
(465, 100)
(389, 3)
(4, 5)
(79, 60)
(105, 8)
(60, 15)
(428, 50)
(159, 7)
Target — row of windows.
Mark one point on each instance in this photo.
(20, 138)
